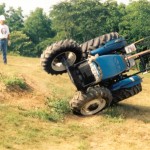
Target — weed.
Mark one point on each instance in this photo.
(2, 76)
(114, 114)
(44, 115)
(55, 117)
(41, 114)
(15, 81)
(60, 106)
(58, 132)
(58, 109)
(13, 119)
(12, 81)
(75, 127)
(83, 145)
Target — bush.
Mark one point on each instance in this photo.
(60, 106)
(15, 81)
(114, 114)
(21, 44)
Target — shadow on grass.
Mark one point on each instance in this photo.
(123, 111)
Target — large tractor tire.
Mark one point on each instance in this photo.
(52, 58)
(91, 102)
(97, 42)
(123, 94)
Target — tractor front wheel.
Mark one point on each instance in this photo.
(93, 101)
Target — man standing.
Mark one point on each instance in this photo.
(4, 37)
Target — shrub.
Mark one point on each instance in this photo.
(60, 106)
(15, 81)
(114, 114)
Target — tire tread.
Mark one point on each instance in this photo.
(81, 98)
(123, 94)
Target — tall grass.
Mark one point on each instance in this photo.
(55, 111)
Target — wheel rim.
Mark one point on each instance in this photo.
(93, 107)
(57, 65)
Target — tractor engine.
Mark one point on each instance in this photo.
(92, 71)
(85, 74)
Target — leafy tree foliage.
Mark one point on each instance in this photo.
(86, 19)
(2, 9)
(15, 19)
(80, 20)
(21, 44)
(136, 23)
(114, 15)
(38, 26)
(42, 45)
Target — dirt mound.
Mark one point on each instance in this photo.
(20, 90)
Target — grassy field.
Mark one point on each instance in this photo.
(35, 114)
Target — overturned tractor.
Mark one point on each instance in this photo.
(99, 70)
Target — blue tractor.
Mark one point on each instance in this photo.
(99, 70)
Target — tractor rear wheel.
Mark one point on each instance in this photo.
(97, 42)
(123, 94)
(52, 58)
(91, 102)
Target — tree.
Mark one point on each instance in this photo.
(114, 16)
(90, 19)
(38, 26)
(85, 19)
(21, 44)
(78, 19)
(15, 19)
(136, 23)
(42, 45)
(2, 9)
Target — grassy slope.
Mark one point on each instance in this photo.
(123, 127)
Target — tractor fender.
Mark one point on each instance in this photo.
(126, 83)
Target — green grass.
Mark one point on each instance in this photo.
(35, 122)
(55, 111)
(18, 129)
(114, 114)
(59, 105)
(84, 145)
(13, 81)
(44, 115)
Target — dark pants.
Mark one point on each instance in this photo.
(3, 48)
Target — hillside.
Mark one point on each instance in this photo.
(29, 98)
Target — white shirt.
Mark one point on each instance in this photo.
(4, 31)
